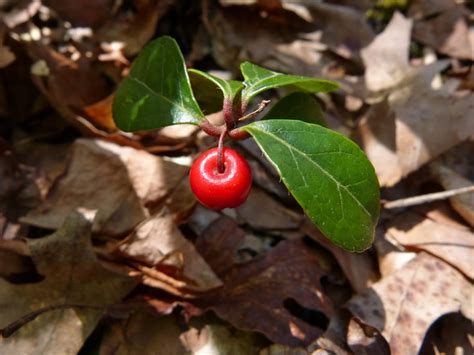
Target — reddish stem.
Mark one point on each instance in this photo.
(238, 134)
(228, 114)
(210, 129)
(220, 153)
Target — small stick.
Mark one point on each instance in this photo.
(259, 109)
(418, 200)
(220, 153)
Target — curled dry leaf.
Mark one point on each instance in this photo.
(166, 257)
(118, 181)
(452, 243)
(403, 305)
(264, 289)
(73, 275)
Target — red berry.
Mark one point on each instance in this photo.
(221, 190)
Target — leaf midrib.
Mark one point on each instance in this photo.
(319, 167)
(192, 114)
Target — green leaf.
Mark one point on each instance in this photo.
(258, 79)
(328, 174)
(297, 106)
(157, 92)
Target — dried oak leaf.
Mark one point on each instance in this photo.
(73, 275)
(403, 305)
(117, 181)
(417, 122)
(166, 258)
(263, 288)
(446, 30)
(452, 243)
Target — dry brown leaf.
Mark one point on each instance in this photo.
(284, 39)
(386, 58)
(272, 216)
(6, 56)
(427, 121)
(403, 306)
(446, 30)
(450, 179)
(359, 268)
(277, 349)
(219, 243)
(82, 14)
(143, 333)
(73, 275)
(390, 257)
(263, 288)
(365, 340)
(453, 244)
(118, 181)
(100, 113)
(159, 244)
(220, 339)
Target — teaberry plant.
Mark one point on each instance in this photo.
(328, 174)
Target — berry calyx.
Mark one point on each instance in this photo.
(218, 190)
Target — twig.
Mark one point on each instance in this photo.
(259, 109)
(418, 200)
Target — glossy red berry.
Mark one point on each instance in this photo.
(221, 190)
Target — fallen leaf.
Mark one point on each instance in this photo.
(365, 340)
(89, 13)
(416, 108)
(390, 256)
(125, 181)
(403, 305)
(218, 244)
(450, 334)
(157, 243)
(376, 134)
(386, 57)
(73, 275)
(265, 288)
(446, 30)
(277, 349)
(143, 333)
(221, 339)
(450, 179)
(453, 244)
(413, 105)
(100, 113)
(359, 268)
(273, 217)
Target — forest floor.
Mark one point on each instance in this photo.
(104, 248)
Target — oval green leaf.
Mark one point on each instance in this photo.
(157, 91)
(258, 79)
(329, 176)
(297, 106)
(210, 90)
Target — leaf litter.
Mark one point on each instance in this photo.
(247, 280)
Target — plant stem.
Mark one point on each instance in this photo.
(228, 114)
(418, 200)
(220, 153)
(259, 109)
(212, 130)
